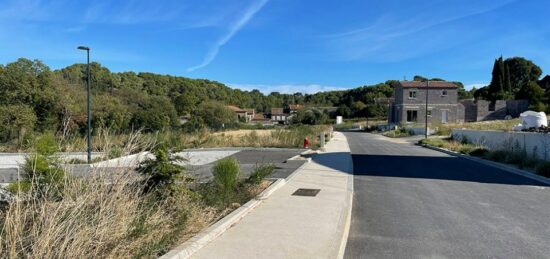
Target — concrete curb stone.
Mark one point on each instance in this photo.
(192, 245)
(504, 167)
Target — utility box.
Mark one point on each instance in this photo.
(339, 120)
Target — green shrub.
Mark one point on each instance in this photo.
(466, 148)
(443, 130)
(46, 145)
(479, 152)
(515, 158)
(261, 172)
(464, 140)
(226, 177)
(436, 142)
(195, 124)
(162, 172)
(44, 174)
(529, 162)
(497, 155)
(543, 169)
(20, 186)
(398, 133)
(115, 152)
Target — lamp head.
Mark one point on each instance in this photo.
(83, 48)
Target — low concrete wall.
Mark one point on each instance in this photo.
(535, 144)
(421, 131)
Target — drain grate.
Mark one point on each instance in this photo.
(306, 192)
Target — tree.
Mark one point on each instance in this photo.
(482, 93)
(534, 93)
(344, 111)
(215, 115)
(497, 88)
(420, 78)
(358, 108)
(15, 121)
(163, 171)
(309, 117)
(522, 71)
(156, 113)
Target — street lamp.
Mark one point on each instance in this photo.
(88, 109)
(426, 113)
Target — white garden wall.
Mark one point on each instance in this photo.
(535, 144)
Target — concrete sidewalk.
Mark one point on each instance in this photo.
(287, 226)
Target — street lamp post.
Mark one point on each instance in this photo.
(88, 109)
(426, 113)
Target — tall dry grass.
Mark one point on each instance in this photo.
(99, 218)
(282, 137)
(109, 214)
(498, 125)
(103, 215)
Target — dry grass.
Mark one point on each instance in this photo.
(283, 138)
(498, 125)
(106, 216)
(244, 132)
(99, 218)
(107, 141)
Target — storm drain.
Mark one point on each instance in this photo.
(306, 192)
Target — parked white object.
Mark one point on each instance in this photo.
(531, 119)
(338, 120)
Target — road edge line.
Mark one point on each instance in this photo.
(348, 212)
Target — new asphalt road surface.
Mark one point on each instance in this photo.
(412, 202)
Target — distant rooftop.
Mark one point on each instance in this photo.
(235, 108)
(433, 84)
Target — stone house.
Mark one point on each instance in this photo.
(409, 104)
(279, 116)
(294, 108)
(242, 114)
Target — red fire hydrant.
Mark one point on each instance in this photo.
(306, 143)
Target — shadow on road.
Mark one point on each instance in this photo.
(340, 161)
(439, 168)
(422, 167)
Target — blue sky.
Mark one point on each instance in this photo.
(282, 45)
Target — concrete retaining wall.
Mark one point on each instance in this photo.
(535, 144)
(421, 131)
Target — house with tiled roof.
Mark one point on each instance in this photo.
(242, 114)
(279, 116)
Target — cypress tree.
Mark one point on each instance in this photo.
(496, 86)
(507, 82)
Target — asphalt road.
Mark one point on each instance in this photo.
(412, 202)
(250, 158)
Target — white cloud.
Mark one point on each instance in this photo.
(288, 88)
(409, 34)
(238, 25)
(476, 85)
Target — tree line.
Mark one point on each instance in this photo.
(517, 78)
(35, 98)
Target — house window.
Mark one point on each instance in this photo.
(412, 116)
(412, 94)
(444, 93)
(429, 113)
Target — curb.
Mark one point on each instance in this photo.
(204, 237)
(501, 166)
(348, 214)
